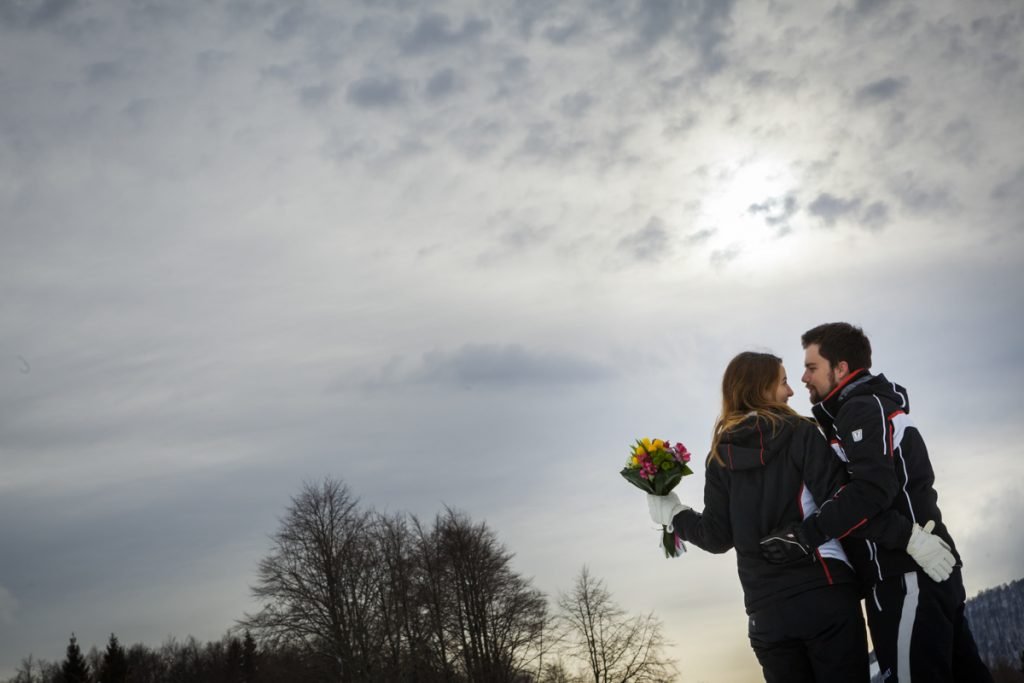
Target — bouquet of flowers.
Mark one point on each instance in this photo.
(656, 466)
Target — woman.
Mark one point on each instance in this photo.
(766, 468)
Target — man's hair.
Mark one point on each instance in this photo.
(838, 342)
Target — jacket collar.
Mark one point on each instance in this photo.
(826, 410)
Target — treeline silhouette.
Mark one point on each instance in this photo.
(230, 660)
(347, 594)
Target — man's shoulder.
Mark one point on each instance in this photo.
(859, 404)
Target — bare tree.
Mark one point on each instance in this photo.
(408, 652)
(491, 615)
(555, 672)
(383, 598)
(432, 598)
(612, 646)
(317, 584)
(30, 671)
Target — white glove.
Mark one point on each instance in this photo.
(664, 508)
(931, 552)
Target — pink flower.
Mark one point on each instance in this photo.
(680, 453)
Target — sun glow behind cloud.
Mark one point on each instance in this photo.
(748, 211)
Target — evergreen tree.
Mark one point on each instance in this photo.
(115, 663)
(74, 669)
(248, 658)
(233, 661)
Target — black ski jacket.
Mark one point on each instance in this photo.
(866, 419)
(768, 480)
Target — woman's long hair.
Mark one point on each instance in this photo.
(748, 386)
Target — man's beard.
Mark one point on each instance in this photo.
(832, 384)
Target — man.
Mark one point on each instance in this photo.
(915, 617)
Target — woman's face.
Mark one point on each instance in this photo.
(782, 390)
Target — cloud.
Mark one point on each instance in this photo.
(1011, 189)
(279, 72)
(776, 210)
(565, 32)
(872, 14)
(291, 22)
(649, 242)
(880, 91)
(772, 81)
(478, 138)
(722, 257)
(960, 138)
(8, 607)
(876, 215)
(101, 72)
(433, 32)
(921, 195)
(866, 7)
(700, 24)
(211, 61)
(481, 366)
(830, 208)
(33, 13)
(315, 96)
(441, 84)
(699, 237)
(547, 141)
(509, 364)
(376, 92)
(138, 111)
(987, 546)
(524, 236)
(576, 106)
(680, 125)
(517, 233)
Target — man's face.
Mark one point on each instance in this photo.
(818, 376)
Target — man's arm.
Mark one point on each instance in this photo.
(889, 529)
(863, 507)
(828, 480)
(862, 428)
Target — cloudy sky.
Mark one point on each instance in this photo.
(463, 253)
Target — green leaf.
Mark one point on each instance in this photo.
(634, 478)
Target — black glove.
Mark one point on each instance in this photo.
(788, 544)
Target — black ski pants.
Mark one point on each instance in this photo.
(817, 636)
(920, 632)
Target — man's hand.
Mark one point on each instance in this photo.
(664, 508)
(931, 552)
(788, 544)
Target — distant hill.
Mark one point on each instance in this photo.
(996, 617)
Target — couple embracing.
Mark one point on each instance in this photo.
(823, 514)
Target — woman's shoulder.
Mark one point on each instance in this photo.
(804, 426)
(802, 422)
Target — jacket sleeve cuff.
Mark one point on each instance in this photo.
(811, 533)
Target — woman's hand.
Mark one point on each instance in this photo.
(663, 509)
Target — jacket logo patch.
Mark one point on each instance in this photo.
(858, 434)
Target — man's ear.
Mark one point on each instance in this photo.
(841, 370)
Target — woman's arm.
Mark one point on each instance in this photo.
(710, 530)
